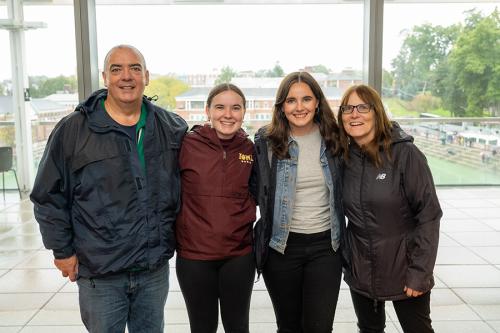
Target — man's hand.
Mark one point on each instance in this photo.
(411, 292)
(68, 267)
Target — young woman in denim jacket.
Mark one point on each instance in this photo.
(298, 238)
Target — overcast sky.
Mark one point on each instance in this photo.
(199, 38)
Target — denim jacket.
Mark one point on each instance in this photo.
(286, 178)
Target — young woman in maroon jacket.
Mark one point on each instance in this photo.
(215, 264)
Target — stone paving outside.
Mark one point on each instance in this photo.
(34, 297)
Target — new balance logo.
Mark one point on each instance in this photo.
(380, 176)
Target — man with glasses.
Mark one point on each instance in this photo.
(106, 197)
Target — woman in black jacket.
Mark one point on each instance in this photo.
(393, 216)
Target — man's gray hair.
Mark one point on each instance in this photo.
(124, 46)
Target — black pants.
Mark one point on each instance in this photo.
(304, 283)
(205, 283)
(413, 314)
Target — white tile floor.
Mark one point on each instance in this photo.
(35, 298)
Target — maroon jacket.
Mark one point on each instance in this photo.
(217, 212)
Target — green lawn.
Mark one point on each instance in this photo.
(447, 173)
(400, 108)
(10, 181)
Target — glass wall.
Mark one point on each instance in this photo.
(434, 65)
(51, 69)
(7, 131)
(190, 48)
(439, 66)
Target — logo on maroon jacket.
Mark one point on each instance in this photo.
(246, 158)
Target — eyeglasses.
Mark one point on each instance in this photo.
(362, 108)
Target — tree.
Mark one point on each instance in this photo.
(321, 69)
(166, 88)
(425, 103)
(387, 83)
(42, 86)
(423, 50)
(447, 88)
(2, 89)
(277, 71)
(475, 65)
(7, 135)
(226, 75)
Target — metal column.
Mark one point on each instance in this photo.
(86, 47)
(373, 43)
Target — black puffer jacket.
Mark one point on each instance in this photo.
(92, 198)
(393, 221)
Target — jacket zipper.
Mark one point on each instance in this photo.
(370, 241)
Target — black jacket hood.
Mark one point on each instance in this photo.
(399, 135)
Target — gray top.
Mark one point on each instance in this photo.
(311, 212)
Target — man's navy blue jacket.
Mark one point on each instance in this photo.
(93, 198)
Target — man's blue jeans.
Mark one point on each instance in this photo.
(137, 299)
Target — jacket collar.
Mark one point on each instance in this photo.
(92, 108)
(207, 132)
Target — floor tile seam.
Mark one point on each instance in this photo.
(13, 230)
(476, 312)
(457, 320)
(485, 264)
(464, 211)
(447, 265)
(479, 255)
(49, 325)
(29, 292)
(490, 326)
(15, 268)
(43, 305)
(26, 249)
(447, 233)
(466, 232)
(7, 207)
(445, 286)
(453, 228)
(454, 204)
(460, 298)
(461, 217)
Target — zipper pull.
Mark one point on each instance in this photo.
(224, 154)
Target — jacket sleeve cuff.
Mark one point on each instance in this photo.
(420, 281)
(63, 253)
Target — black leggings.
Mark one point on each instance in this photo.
(205, 283)
(413, 313)
(304, 283)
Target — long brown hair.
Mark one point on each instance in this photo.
(279, 129)
(383, 125)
